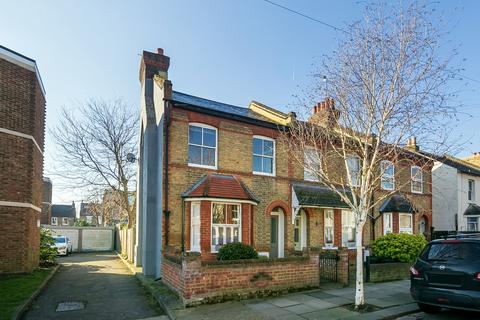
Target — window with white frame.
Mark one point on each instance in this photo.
(226, 224)
(472, 223)
(348, 228)
(311, 164)
(387, 171)
(328, 226)
(353, 163)
(263, 155)
(195, 227)
(54, 221)
(417, 179)
(471, 190)
(65, 221)
(405, 223)
(202, 145)
(387, 223)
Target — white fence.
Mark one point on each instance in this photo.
(125, 242)
(87, 238)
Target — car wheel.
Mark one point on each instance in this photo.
(428, 308)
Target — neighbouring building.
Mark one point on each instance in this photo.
(46, 213)
(22, 126)
(87, 213)
(211, 173)
(456, 200)
(63, 214)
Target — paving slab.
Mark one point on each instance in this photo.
(300, 309)
(101, 282)
(283, 302)
(334, 313)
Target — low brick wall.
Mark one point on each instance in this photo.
(380, 272)
(208, 281)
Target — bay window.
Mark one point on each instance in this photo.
(226, 224)
(387, 223)
(388, 175)
(405, 223)
(348, 228)
(328, 227)
(202, 146)
(263, 156)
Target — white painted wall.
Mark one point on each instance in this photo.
(463, 197)
(444, 196)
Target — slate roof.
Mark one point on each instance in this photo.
(396, 203)
(220, 109)
(460, 165)
(215, 185)
(84, 210)
(472, 210)
(315, 195)
(63, 210)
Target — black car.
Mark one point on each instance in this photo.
(447, 275)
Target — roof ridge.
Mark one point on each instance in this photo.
(214, 101)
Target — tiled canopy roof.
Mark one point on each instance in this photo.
(472, 210)
(219, 186)
(396, 203)
(315, 195)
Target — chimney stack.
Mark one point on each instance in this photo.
(324, 113)
(156, 64)
(412, 144)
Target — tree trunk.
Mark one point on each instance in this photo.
(359, 288)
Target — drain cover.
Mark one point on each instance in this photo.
(70, 306)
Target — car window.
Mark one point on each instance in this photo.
(59, 239)
(444, 251)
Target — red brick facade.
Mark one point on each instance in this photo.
(22, 121)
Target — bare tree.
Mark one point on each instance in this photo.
(93, 144)
(386, 84)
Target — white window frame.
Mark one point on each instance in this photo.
(54, 221)
(224, 225)
(64, 221)
(352, 156)
(346, 229)
(206, 126)
(195, 247)
(384, 176)
(471, 193)
(416, 178)
(307, 175)
(387, 217)
(332, 244)
(272, 174)
(405, 230)
(476, 223)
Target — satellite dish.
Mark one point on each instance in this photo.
(131, 157)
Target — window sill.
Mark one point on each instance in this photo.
(263, 174)
(202, 166)
(417, 192)
(330, 248)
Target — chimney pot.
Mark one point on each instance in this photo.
(160, 51)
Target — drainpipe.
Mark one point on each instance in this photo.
(167, 143)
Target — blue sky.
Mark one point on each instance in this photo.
(231, 51)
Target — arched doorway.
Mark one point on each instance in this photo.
(300, 231)
(277, 233)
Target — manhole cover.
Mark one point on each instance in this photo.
(70, 306)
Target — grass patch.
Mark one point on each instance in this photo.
(16, 289)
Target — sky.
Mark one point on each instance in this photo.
(232, 51)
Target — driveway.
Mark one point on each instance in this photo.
(97, 283)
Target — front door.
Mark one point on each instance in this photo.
(274, 236)
(297, 234)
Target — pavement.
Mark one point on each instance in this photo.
(98, 286)
(445, 314)
(388, 300)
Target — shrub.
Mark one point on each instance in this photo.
(399, 247)
(236, 251)
(47, 251)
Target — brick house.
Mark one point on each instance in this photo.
(63, 214)
(46, 214)
(22, 124)
(212, 173)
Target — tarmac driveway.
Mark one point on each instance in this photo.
(99, 284)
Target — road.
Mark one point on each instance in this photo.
(445, 314)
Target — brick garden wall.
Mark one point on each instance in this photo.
(196, 281)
